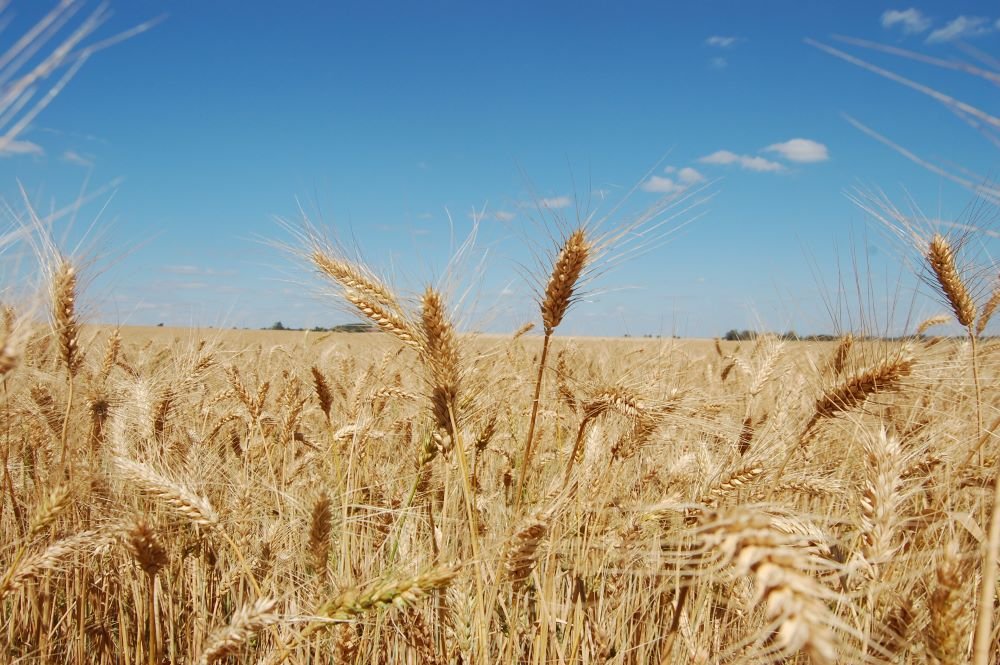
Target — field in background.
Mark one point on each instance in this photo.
(263, 496)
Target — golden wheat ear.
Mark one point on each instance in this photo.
(441, 356)
(941, 258)
(64, 319)
(245, 623)
(571, 261)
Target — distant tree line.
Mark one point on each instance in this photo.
(743, 335)
(346, 328)
(791, 336)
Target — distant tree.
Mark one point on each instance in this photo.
(278, 326)
(739, 335)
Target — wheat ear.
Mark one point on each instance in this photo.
(178, 498)
(941, 258)
(572, 259)
(244, 624)
(320, 527)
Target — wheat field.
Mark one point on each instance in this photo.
(423, 495)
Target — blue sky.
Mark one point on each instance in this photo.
(389, 123)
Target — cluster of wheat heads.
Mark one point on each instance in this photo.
(427, 496)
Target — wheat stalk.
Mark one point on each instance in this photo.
(941, 258)
(244, 624)
(175, 496)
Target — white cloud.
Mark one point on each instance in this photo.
(800, 150)
(746, 162)
(963, 27)
(73, 157)
(718, 63)
(661, 185)
(720, 157)
(759, 164)
(911, 21)
(685, 177)
(555, 202)
(14, 147)
(719, 41)
(689, 175)
(504, 216)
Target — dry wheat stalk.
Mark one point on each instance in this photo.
(570, 262)
(146, 548)
(177, 497)
(388, 320)
(523, 330)
(616, 399)
(111, 351)
(986, 313)
(244, 624)
(322, 389)
(520, 551)
(64, 321)
(927, 324)
(356, 278)
(560, 292)
(894, 632)
(55, 502)
(732, 482)
(853, 392)
(841, 353)
(941, 258)
(951, 609)
(882, 497)
(320, 527)
(441, 357)
(793, 601)
(397, 592)
(31, 568)
(8, 342)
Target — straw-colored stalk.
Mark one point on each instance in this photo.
(560, 292)
(244, 624)
(67, 332)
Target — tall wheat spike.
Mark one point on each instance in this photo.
(941, 258)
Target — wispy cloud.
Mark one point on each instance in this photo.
(720, 157)
(911, 21)
(718, 63)
(746, 162)
(719, 41)
(662, 185)
(13, 147)
(681, 180)
(800, 150)
(962, 27)
(690, 176)
(555, 202)
(504, 216)
(73, 157)
(759, 164)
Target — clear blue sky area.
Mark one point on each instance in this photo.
(391, 122)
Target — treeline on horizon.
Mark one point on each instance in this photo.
(730, 336)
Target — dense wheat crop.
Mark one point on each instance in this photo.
(422, 495)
